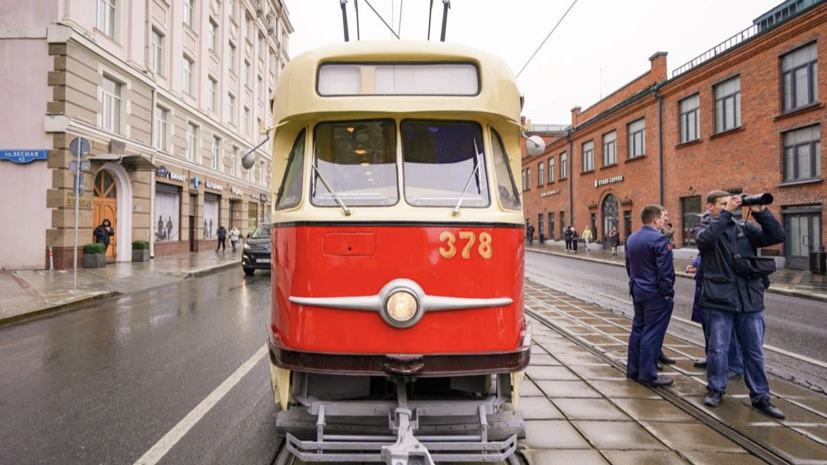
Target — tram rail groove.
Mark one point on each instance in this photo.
(749, 445)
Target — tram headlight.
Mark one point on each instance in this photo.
(402, 306)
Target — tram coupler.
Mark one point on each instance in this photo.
(407, 450)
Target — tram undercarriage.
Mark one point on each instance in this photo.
(402, 420)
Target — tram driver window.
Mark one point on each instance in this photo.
(441, 161)
(506, 186)
(290, 192)
(358, 161)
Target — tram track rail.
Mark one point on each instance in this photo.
(721, 428)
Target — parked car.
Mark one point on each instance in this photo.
(257, 254)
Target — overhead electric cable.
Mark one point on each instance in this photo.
(544, 40)
(381, 18)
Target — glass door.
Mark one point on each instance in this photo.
(803, 237)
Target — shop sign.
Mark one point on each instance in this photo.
(262, 198)
(236, 191)
(163, 172)
(23, 156)
(255, 196)
(195, 182)
(550, 193)
(83, 203)
(603, 182)
(215, 187)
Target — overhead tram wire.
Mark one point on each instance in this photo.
(544, 40)
(381, 18)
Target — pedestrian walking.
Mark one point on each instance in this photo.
(614, 240)
(732, 295)
(567, 236)
(221, 234)
(530, 233)
(573, 240)
(651, 273)
(587, 237)
(103, 233)
(234, 233)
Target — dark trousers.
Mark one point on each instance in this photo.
(749, 328)
(574, 245)
(648, 330)
(233, 243)
(568, 245)
(221, 243)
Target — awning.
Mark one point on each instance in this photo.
(130, 162)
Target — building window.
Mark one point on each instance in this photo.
(231, 107)
(250, 173)
(540, 174)
(231, 59)
(610, 148)
(551, 172)
(111, 98)
(106, 17)
(216, 154)
(192, 142)
(231, 7)
(690, 115)
(188, 67)
(692, 214)
(527, 178)
(246, 121)
(260, 89)
(213, 35)
(637, 138)
(588, 156)
(234, 162)
(261, 173)
(551, 225)
(189, 13)
(802, 154)
(728, 105)
(248, 28)
(156, 52)
(247, 75)
(799, 77)
(627, 225)
(261, 45)
(160, 129)
(212, 102)
(564, 171)
(541, 226)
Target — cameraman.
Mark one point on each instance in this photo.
(731, 300)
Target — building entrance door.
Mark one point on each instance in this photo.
(105, 207)
(803, 236)
(610, 211)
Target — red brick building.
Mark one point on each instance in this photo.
(745, 116)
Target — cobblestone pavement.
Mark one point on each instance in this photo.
(580, 408)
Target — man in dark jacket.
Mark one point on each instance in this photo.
(103, 232)
(529, 230)
(650, 266)
(222, 238)
(731, 300)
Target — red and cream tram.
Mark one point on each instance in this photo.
(397, 328)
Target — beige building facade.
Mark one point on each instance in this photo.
(171, 95)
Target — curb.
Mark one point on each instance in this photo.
(106, 295)
(771, 290)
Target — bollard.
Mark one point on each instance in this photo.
(51, 260)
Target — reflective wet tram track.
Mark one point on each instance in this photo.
(753, 448)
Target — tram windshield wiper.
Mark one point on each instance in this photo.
(329, 189)
(468, 183)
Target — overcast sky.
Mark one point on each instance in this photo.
(616, 35)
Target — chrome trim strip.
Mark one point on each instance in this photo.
(371, 303)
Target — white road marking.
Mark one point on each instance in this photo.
(152, 456)
(794, 355)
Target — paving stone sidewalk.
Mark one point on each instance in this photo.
(580, 409)
(794, 283)
(29, 293)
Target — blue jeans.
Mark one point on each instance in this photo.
(749, 328)
(648, 330)
(734, 355)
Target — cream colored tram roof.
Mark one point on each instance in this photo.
(296, 93)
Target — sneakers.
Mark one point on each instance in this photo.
(764, 406)
(713, 398)
(657, 382)
(699, 363)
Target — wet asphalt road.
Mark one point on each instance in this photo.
(795, 325)
(102, 384)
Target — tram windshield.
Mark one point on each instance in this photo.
(440, 164)
(358, 161)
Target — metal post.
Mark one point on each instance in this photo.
(51, 260)
(446, 4)
(77, 206)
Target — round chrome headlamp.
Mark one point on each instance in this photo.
(401, 306)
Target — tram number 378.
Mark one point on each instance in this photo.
(449, 248)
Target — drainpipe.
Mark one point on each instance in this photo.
(152, 136)
(660, 140)
(570, 174)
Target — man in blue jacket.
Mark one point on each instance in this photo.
(730, 300)
(651, 273)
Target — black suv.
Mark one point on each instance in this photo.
(257, 253)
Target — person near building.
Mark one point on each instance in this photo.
(651, 271)
(221, 234)
(614, 240)
(587, 237)
(567, 236)
(103, 232)
(669, 232)
(529, 230)
(731, 299)
(574, 237)
(234, 234)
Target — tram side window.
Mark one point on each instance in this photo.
(290, 192)
(358, 161)
(440, 163)
(506, 186)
